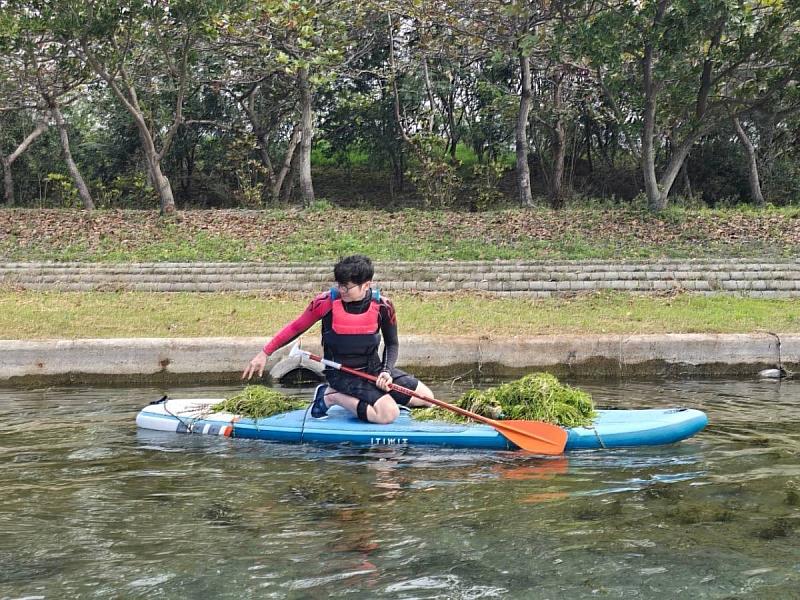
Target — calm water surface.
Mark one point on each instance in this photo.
(92, 508)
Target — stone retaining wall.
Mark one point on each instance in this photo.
(223, 359)
(757, 278)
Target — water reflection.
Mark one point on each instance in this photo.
(91, 507)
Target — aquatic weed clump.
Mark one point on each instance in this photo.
(535, 397)
(258, 402)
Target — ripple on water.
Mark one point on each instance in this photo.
(91, 506)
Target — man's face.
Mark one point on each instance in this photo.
(352, 292)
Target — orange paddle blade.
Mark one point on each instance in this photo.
(533, 436)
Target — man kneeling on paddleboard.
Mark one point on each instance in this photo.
(353, 318)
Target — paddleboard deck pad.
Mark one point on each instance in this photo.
(611, 429)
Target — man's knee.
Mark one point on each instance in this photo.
(362, 411)
(422, 390)
(386, 410)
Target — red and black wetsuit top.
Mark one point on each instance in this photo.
(351, 331)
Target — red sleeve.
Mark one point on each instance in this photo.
(391, 343)
(318, 308)
(388, 308)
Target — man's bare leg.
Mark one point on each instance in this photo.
(385, 409)
(423, 390)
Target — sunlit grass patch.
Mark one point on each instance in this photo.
(33, 314)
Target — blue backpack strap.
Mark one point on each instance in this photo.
(376, 294)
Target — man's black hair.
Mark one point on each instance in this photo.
(353, 269)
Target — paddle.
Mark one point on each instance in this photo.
(533, 436)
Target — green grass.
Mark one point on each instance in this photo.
(301, 247)
(322, 155)
(36, 315)
(202, 247)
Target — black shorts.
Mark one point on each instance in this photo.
(368, 391)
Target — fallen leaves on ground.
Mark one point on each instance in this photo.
(43, 233)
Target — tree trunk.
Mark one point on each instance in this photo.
(288, 187)
(559, 158)
(8, 181)
(287, 163)
(655, 197)
(157, 179)
(676, 162)
(752, 173)
(397, 179)
(559, 149)
(161, 185)
(402, 166)
(263, 149)
(588, 136)
(188, 186)
(247, 102)
(77, 178)
(429, 90)
(671, 172)
(452, 126)
(152, 157)
(130, 101)
(658, 190)
(307, 131)
(523, 170)
(687, 183)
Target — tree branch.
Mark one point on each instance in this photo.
(41, 127)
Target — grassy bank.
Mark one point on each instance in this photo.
(36, 315)
(325, 233)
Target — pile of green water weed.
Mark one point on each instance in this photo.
(535, 397)
(258, 402)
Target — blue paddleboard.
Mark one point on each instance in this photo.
(611, 429)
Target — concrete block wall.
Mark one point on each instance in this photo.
(750, 277)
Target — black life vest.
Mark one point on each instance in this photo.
(353, 339)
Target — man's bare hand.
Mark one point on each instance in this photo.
(256, 365)
(384, 381)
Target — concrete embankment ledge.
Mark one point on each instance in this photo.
(223, 359)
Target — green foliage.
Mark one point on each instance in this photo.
(325, 155)
(65, 189)
(467, 97)
(258, 402)
(466, 156)
(536, 397)
(781, 181)
(487, 177)
(434, 174)
(252, 185)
